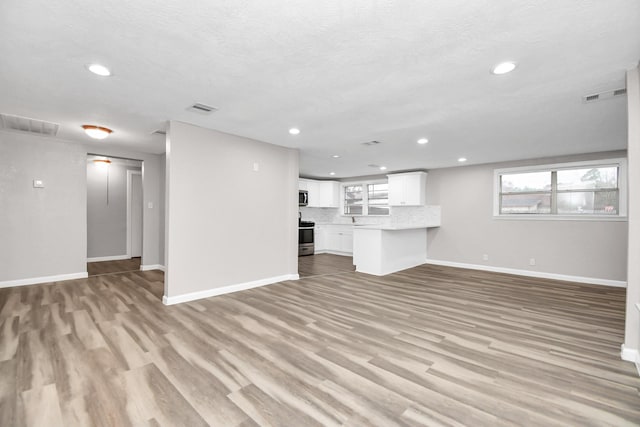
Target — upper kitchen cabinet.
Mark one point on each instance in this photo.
(322, 194)
(407, 189)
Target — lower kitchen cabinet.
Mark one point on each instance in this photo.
(334, 238)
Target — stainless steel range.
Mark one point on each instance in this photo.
(305, 238)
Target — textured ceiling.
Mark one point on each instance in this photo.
(344, 72)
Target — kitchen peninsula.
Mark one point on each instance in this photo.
(385, 249)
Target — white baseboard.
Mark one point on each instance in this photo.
(530, 273)
(324, 251)
(43, 279)
(151, 267)
(226, 289)
(630, 355)
(108, 258)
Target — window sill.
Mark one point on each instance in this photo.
(526, 217)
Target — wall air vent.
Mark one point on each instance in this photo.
(25, 124)
(202, 108)
(371, 143)
(609, 94)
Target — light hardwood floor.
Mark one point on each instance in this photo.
(322, 264)
(110, 267)
(427, 346)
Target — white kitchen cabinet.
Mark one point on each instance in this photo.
(407, 189)
(328, 194)
(322, 194)
(334, 238)
(319, 237)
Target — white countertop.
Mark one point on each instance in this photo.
(392, 227)
(388, 227)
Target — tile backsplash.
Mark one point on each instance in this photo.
(399, 215)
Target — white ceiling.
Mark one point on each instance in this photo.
(344, 72)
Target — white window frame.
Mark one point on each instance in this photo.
(620, 163)
(365, 197)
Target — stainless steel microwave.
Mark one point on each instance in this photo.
(303, 198)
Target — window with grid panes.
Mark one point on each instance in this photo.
(366, 198)
(570, 190)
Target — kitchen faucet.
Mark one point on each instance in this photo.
(353, 219)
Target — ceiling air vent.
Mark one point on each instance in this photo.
(202, 108)
(25, 124)
(371, 143)
(610, 94)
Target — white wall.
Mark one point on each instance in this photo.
(42, 230)
(226, 223)
(632, 323)
(587, 249)
(107, 222)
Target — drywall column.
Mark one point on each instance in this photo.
(231, 213)
(632, 322)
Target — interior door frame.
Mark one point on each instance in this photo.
(129, 184)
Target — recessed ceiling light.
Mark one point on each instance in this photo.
(332, 173)
(383, 168)
(98, 69)
(96, 132)
(423, 141)
(462, 159)
(294, 131)
(335, 156)
(504, 68)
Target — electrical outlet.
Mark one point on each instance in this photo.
(532, 261)
(485, 257)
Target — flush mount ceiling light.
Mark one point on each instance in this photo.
(105, 161)
(504, 68)
(335, 156)
(96, 132)
(423, 141)
(332, 173)
(383, 168)
(462, 159)
(98, 69)
(294, 131)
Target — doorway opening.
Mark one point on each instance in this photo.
(114, 214)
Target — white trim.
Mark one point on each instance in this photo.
(129, 184)
(530, 273)
(226, 289)
(152, 267)
(550, 217)
(43, 279)
(329, 251)
(108, 258)
(630, 355)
